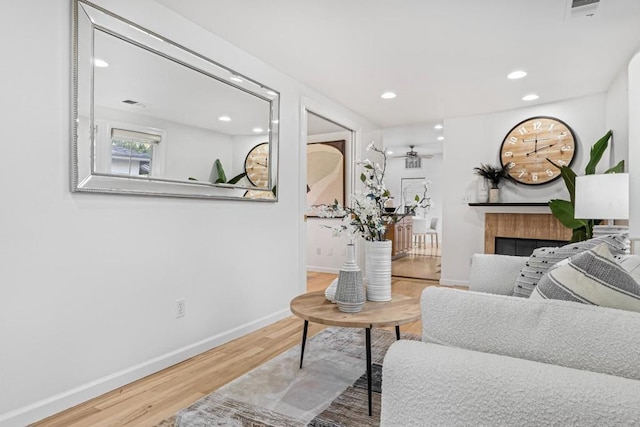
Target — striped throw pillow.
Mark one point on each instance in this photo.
(543, 259)
(592, 277)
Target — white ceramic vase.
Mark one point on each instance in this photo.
(494, 195)
(350, 293)
(378, 269)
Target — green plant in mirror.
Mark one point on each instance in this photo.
(564, 210)
(222, 177)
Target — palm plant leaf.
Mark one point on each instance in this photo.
(596, 153)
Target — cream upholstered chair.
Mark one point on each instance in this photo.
(420, 231)
(431, 231)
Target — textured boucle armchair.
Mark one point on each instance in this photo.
(497, 360)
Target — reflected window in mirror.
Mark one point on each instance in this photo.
(133, 153)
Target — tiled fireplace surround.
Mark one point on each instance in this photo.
(536, 226)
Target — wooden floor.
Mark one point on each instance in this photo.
(152, 399)
(422, 262)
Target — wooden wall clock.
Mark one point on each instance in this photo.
(527, 146)
(256, 165)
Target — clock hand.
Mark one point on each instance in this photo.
(261, 164)
(546, 146)
(539, 149)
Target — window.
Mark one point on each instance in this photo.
(132, 152)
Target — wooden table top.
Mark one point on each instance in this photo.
(315, 307)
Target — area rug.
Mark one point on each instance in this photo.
(330, 389)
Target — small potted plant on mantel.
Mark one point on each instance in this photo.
(494, 175)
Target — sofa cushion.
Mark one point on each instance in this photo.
(432, 385)
(562, 333)
(592, 277)
(542, 259)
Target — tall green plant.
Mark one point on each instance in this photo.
(564, 210)
(222, 177)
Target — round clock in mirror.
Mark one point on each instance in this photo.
(530, 146)
(256, 165)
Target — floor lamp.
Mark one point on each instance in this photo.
(603, 197)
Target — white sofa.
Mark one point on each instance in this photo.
(497, 360)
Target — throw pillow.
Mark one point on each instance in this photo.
(593, 277)
(542, 259)
(631, 264)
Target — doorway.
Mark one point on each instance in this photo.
(329, 151)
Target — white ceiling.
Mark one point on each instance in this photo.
(443, 58)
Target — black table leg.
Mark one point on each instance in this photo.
(368, 344)
(397, 332)
(304, 340)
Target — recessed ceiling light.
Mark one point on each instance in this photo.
(224, 118)
(101, 63)
(389, 152)
(518, 74)
(236, 79)
(440, 138)
(530, 97)
(258, 130)
(388, 95)
(438, 126)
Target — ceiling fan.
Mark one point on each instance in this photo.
(413, 154)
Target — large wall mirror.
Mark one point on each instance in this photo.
(155, 118)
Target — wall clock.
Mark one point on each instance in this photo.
(527, 146)
(256, 165)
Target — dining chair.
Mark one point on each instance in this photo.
(419, 231)
(431, 231)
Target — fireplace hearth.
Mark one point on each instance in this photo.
(523, 247)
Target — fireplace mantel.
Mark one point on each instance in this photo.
(540, 226)
(511, 204)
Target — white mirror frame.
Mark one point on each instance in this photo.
(87, 17)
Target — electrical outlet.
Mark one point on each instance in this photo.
(466, 198)
(181, 307)
(330, 252)
(318, 251)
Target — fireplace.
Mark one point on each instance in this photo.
(523, 227)
(522, 247)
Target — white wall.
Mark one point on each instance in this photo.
(634, 149)
(83, 315)
(617, 117)
(463, 226)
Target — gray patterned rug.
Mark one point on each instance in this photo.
(330, 389)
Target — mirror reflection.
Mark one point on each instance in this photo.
(153, 117)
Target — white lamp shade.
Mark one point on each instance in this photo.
(603, 196)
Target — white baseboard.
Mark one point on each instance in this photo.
(332, 270)
(59, 402)
(451, 282)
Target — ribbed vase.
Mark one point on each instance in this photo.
(378, 269)
(350, 295)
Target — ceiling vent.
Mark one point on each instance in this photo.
(581, 8)
(134, 103)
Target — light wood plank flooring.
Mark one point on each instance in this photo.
(422, 262)
(156, 397)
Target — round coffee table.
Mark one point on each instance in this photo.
(314, 307)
